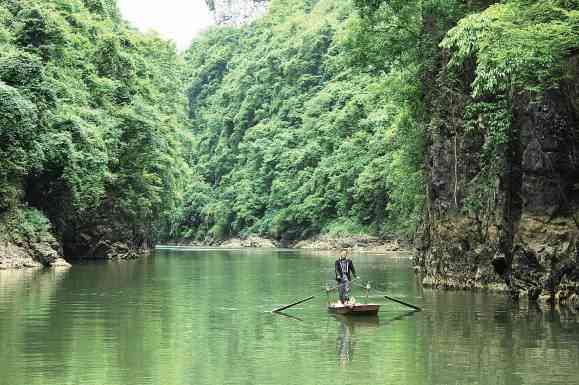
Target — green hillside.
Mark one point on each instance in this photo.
(300, 130)
(92, 127)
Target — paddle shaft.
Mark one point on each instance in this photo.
(403, 303)
(302, 300)
(292, 304)
(395, 300)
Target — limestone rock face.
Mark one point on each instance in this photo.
(15, 257)
(237, 12)
(516, 226)
(37, 253)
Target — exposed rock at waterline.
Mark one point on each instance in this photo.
(356, 243)
(34, 254)
(515, 227)
(251, 241)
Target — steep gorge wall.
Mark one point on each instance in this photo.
(514, 226)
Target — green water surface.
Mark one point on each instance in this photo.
(203, 317)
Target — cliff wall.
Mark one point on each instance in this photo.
(509, 220)
(237, 12)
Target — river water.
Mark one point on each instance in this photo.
(203, 317)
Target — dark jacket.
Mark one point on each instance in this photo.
(347, 269)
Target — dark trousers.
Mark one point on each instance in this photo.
(344, 289)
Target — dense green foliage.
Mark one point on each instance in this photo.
(295, 134)
(315, 119)
(92, 119)
(517, 51)
(518, 45)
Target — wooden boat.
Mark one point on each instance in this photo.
(354, 308)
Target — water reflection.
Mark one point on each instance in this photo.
(27, 300)
(204, 318)
(354, 328)
(348, 327)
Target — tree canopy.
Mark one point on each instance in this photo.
(316, 118)
(92, 122)
(295, 135)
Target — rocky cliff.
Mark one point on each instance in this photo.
(30, 254)
(237, 12)
(511, 220)
(23, 245)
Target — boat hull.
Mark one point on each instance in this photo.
(354, 309)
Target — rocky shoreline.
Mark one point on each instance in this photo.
(533, 274)
(360, 244)
(43, 253)
(542, 266)
(37, 254)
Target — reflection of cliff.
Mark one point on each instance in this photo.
(237, 12)
(521, 343)
(55, 323)
(27, 298)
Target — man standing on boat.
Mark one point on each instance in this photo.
(344, 270)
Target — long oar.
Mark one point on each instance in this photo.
(393, 299)
(292, 304)
(403, 303)
(327, 290)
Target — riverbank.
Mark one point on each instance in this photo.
(43, 252)
(360, 244)
(26, 241)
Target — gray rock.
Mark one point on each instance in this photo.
(238, 12)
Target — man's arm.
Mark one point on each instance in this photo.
(353, 269)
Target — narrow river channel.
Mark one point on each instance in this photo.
(201, 317)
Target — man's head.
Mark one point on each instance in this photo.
(344, 254)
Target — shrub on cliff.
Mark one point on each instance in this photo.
(19, 148)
